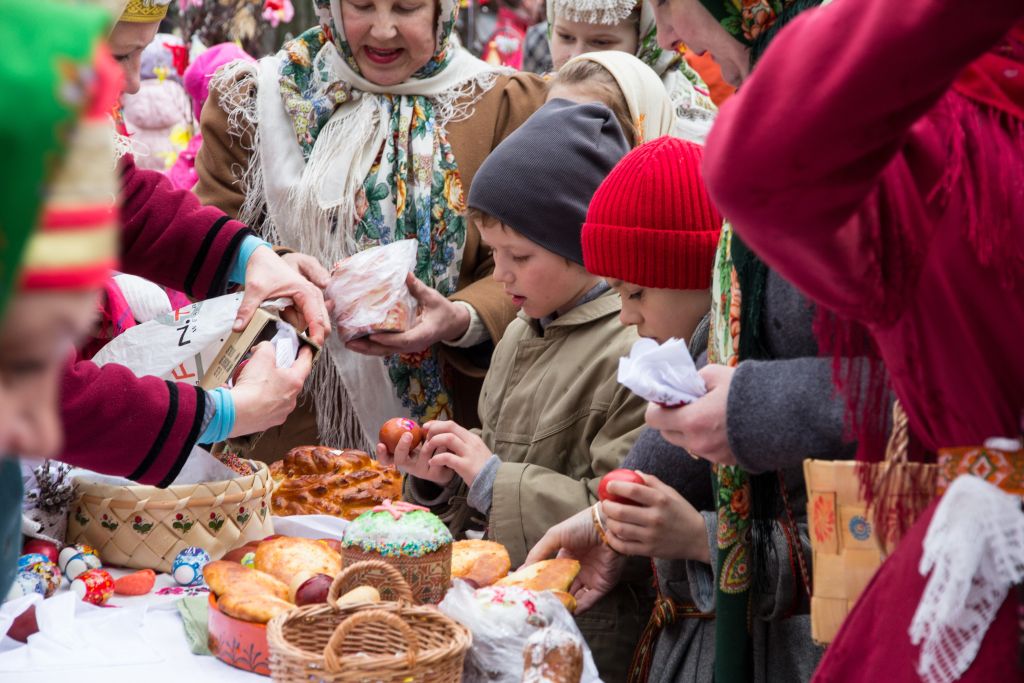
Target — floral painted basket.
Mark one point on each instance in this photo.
(145, 527)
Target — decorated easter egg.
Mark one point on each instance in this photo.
(38, 545)
(187, 569)
(26, 583)
(65, 555)
(249, 560)
(89, 557)
(94, 586)
(76, 565)
(51, 576)
(29, 560)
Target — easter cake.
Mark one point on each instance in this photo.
(409, 537)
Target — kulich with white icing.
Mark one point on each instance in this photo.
(397, 530)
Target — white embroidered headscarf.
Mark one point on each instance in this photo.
(646, 98)
(691, 99)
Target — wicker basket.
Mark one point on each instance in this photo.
(428, 577)
(384, 642)
(145, 527)
(846, 547)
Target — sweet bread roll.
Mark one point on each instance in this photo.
(482, 562)
(567, 599)
(360, 594)
(222, 576)
(552, 655)
(546, 575)
(315, 480)
(252, 607)
(286, 558)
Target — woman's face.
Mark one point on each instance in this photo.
(690, 23)
(37, 333)
(571, 38)
(126, 42)
(390, 39)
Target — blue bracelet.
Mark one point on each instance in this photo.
(250, 244)
(223, 420)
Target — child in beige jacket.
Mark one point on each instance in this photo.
(555, 420)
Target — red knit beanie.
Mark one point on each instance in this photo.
(651, 221)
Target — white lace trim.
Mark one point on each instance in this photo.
(974, 550)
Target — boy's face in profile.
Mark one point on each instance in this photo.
(661, 314)
(539, 281)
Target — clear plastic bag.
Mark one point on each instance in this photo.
(502, 619)
(369, 291)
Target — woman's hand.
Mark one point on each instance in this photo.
(264, 394)
(268, 276)
(699, 427)
(455, 447)
(413, 462)
(438, 320)
(600, 566)
(662, 524)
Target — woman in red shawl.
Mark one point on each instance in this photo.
(874, 158)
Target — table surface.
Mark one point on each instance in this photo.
(144, 644)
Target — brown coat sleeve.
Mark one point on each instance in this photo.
(503, 109)
(222, 159)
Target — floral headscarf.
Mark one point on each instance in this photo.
(691, 99)
(350, 165)
(746, 19)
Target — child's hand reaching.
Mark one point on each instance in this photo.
(455, 447)
(411, 461)
(662, 524)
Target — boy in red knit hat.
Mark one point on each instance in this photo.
(652, 231)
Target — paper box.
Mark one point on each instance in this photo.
(262, 327)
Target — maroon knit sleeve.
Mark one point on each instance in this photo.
(116, 423)
(825, 158)
(169, 238)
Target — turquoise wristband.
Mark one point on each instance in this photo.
(223, 420)
(250, 244)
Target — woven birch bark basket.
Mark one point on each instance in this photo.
(145, 527)
(847, 548)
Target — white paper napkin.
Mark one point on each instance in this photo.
(662, 374)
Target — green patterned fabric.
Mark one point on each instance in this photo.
(44, 77)
(733, 555)
(746, 19)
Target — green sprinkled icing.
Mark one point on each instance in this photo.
(414, 534)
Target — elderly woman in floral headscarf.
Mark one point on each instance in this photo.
(365, 130)
(576, 27)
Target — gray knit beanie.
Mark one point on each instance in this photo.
(540, 179)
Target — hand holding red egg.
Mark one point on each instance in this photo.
(628, 476)
(395, 428)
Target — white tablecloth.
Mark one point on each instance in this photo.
(134, 640)
(140, 641)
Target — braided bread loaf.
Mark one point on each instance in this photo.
(316, 480)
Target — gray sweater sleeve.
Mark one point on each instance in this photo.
(781, 412)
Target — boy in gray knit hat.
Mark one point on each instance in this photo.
(555, 420)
